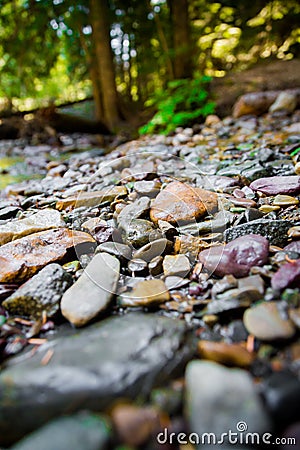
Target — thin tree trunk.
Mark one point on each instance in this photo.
(104, 58)
(182, 41)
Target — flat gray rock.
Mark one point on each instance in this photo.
(93, 291)
(83, 431)
(118, 357)
(218, 398)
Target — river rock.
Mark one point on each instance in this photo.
(288, 275)
(146, 293)
(81, 431)
(281, 392)
(121, 251)
(274, 230)
(139, 231)
(225, 353)
(277, 185)
(177, 265)
(181, 203)
(286, 101)
(268, 322)
(119, 357)
(42, 292)
(285, 200)
(294, 246)
(21, 259)
(149, 188)
(89, 199)
(44, 219)
(237, 257)
(132, 211)
(93, 291)
(218, 398)
(153, 249)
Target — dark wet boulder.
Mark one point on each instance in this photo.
(119, 357)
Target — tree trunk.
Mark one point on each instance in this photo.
(182, 41)
(105, 64)
(94, 76)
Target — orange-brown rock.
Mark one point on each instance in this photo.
(22, 258)
(181, 203)
(90, 199)
(134, 424)
(224, 353)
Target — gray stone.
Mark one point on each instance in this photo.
(119, 357)
(138, 233)
(149, 188)
(218, 398)
(132, 211)
(178, 265)
(121, 251)
(153, 249)
(274, 230)
(42, 292)
(269, 321)
(93, 291)
(83, 431)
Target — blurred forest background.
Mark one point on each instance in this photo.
(132, 54)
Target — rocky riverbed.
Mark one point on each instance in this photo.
(154, 290)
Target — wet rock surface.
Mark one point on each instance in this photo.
(93, 291)
(91, 369)
(165, 250)
(42, 292)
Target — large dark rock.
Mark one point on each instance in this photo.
(119, 357)
(274, 230)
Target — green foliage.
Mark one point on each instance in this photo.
(180, 104)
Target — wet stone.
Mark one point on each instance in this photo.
(285, 200)
(140, 233)
(44, 219)
(251, 170)
(42, 292)
(224, 353)
(148, 188)
(138, 266)
(237, 257)
(146, 293)
(156, 266)
(89, 199)
(218, 397)
(288, 275)
(133, 353)
(277, 185)
(181, 203)
(121, 251)
(81, 431)
(177, 265)
(22, 258)
(153, 249)
(293, 247)
(93, 291)
(274, 230)
(132, 211)
(269, 321)
(281, 393)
